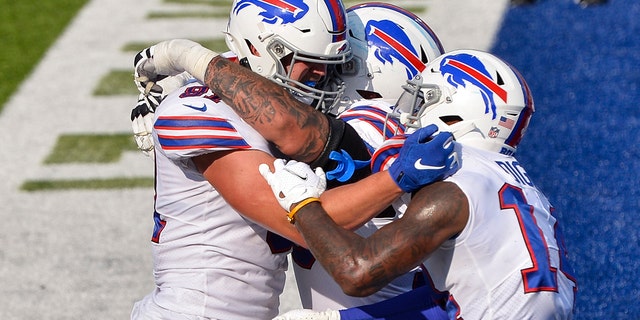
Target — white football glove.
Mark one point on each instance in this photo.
(142, 124)
(142, 114)
(146, 80)
(294, 181)
(306, 314)
(170, 58)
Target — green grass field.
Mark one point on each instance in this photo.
(27, 29)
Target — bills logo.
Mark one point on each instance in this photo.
(391, 42)
(342, 48)
(461, 68)
(276, 11)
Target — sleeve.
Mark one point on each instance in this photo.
(384, 156)
(192, 121)
(370, 120)
(189, 136)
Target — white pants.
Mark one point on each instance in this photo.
(147, 309)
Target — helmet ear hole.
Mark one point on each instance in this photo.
(252, 48)
(365, 94)
(499, 79)
(451, 119)
(423, 55)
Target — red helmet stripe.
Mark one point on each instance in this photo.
(282, 4)
(339, 19)
(488, 82)
(404, 51)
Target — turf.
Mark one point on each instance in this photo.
(90, 148)
(217, 44)
(583, 146)
(113, 183)
(27, 30)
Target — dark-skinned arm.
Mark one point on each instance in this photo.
(362, 266)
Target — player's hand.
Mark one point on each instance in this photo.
(142, 124)
(306, 314)
(170, 58)
(157, 62)
(425, 157)
(293, 181)
(145, 75)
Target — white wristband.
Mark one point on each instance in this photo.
(175, 56)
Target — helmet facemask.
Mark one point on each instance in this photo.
(417, 98)
(265, 34)
(319, 93)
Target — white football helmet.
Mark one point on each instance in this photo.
(390, 45)
(475, 95)
(262, 33)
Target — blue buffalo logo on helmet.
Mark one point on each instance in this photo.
(465, 67)
(276, 11)
(390, 43)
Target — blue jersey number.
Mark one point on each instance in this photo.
(541, 276)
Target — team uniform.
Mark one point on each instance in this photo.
(295, 28)
(509, 261)
(390, 45)
(209, 261)
(318, 290)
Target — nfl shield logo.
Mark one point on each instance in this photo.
(493, 132)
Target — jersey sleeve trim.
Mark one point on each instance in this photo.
(376, 118)
(387, 153)
(197, 132)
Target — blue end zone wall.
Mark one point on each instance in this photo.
(583, 144)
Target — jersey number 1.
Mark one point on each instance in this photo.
(541, 276)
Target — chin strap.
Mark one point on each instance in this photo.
(463, 129)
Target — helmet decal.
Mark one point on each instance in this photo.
(338, 19)
(276, 11)
(526, 113)
(392, 42)
(262, 32)
(506, 122)
(389, 45)
(465, 67)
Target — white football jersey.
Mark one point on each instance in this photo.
(509, 261)
(317, 288)
(209, 260)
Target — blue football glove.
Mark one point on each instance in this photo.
(425, 157)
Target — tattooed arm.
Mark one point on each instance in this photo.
(362, 266)
(296, 129)
(293, 127)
